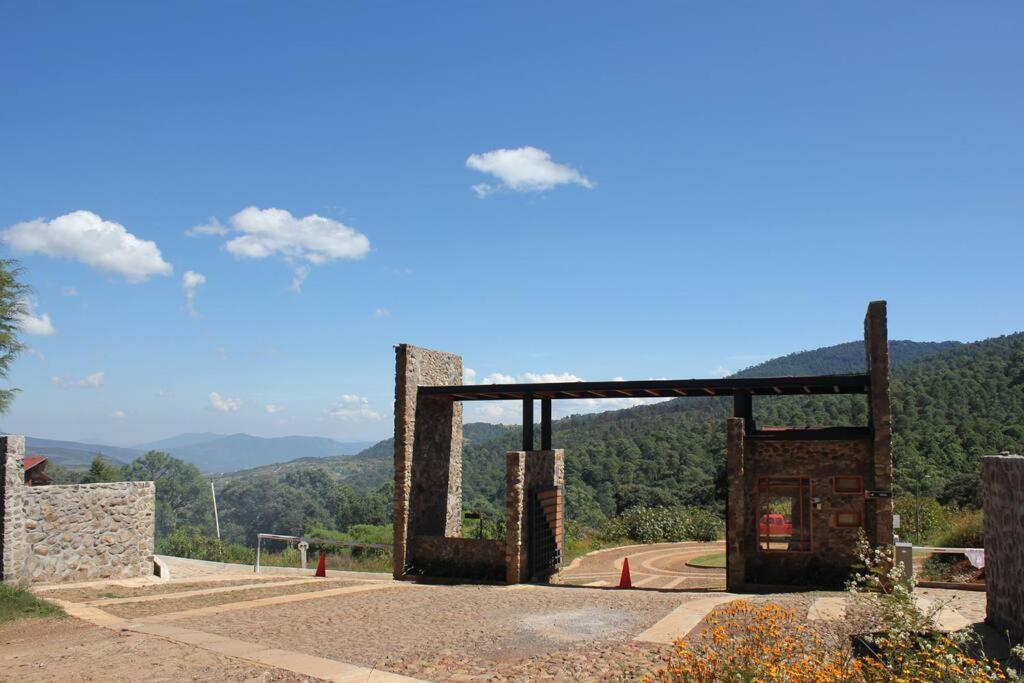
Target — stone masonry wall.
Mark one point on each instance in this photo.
(525, 471)
(89, 531)
(72, 533)
(832, 548)
(428, 450)
(1003, 491)
(465, 558)
(12, 535)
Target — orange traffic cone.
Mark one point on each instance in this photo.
(624, 580)
(321, 566)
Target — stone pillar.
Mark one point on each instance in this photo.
(526, 471)
(12, 517)
(1002, 479)
(428, 450)
(876, 342)
(736, 513)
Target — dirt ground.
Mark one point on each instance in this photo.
(72, 650)
(351, 627)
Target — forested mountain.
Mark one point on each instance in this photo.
(952, 402)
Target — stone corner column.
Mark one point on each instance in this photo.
(876, 342)
(515, 516)
(736, 513)
(12, 515)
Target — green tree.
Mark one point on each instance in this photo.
(183, 497)
(12, 308)
(101, 471)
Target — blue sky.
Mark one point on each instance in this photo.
(672, 190)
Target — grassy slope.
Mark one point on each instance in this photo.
(17, 603)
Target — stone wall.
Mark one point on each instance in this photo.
(832, 547)
(428, 450)
(12, 535)
(462, 558)
(73, 533)
(1003, 489)
(876, 343)
(524, 472)
(89, 531)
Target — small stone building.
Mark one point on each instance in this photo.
(796, 499)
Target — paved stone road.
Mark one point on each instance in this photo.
(660, 566)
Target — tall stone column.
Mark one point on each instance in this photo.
(736, 512)
(876, 342)
(525, 472)
(428, 450)
(12, 498)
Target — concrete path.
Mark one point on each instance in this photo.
(683, 619)
(827, 609)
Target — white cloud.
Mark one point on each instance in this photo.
(224, 404)
(352, 407)
(191, 282)
(721, 371)
(468, 375)
(85, 237)
(118, 414)
(381, 313)
(36, 353)
(93, 381)
(272, 408)
(511, 411)
(301, 273)
(30, 322)
(213, 227)
(525, 169)
(68, 291)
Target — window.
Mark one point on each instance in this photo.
(848, 484)
(784, 514)
(846, 518)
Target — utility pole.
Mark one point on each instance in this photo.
(216, 519)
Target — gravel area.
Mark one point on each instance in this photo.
(99, 593)
(137, 610)
(452, 632)
(72, 650)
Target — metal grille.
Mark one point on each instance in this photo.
(545, 556)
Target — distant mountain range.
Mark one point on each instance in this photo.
(209, 452)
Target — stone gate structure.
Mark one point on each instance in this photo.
(796, 496)
(72, 533)
(1003, 487)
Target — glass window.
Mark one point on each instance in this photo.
(784, 514)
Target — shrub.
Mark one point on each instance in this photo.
(663, 525)
(190, 543)
(923, 521)
(967, 531)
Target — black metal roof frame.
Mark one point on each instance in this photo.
(659, 388)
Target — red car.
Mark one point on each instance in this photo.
(775, 525)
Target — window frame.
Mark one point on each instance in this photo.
(858, 513)
(858, 478)
(763, 485)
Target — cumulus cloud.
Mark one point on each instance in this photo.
(93, 381)
(302, 241)
(352, 407)
(525, 169)
(381, 313)
(721, 371)
(30, 322)
(191, 282)
(468, 375)
(272, 408)
(87, 238)
(224, 404)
